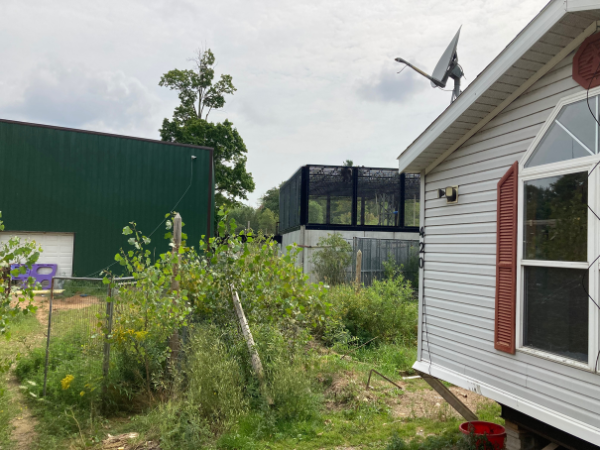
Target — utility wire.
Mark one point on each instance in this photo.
(587, 99)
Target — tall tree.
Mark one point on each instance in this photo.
(270, 200)
(199, 95)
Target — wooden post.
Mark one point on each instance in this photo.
(48, 337)
(449, 396)
(174, 340)
(106, 352)
(358, 268)
(176, 245)
(254, 357)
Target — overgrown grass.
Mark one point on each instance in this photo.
(316, 346)
(25, 331)
(386, 311)
(6, 414)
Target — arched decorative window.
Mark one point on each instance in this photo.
(557, 274)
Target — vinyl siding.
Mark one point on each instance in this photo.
(459, 273)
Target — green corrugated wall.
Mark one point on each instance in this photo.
(91, 184)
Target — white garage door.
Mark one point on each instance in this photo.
(58, 248)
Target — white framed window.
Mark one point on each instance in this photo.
(558, 241)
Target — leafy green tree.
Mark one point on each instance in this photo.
(332, 262)
(270, 200)
(315, 212)
(199, 95)
(267, 222)
(348, 163)
(244, 215)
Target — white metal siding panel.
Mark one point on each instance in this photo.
(459, 273)
(57, 248)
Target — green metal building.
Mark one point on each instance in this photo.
(73, 192)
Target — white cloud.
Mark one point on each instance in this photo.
(316, 80)
(80, 97)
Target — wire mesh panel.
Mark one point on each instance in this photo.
(330, 194)
(342, 196)
(375, 252)
(411, 199)
(378, 194)
(290, 198)
(79, 317)
(75, 344)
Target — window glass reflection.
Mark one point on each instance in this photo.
(572, 135)
(556, 311)
(555, 219)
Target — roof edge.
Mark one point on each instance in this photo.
(534, 30)
(99, 133)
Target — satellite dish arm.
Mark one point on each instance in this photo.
(416, 69)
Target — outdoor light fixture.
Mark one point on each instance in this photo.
(451, 194)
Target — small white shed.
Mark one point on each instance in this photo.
(509, 292)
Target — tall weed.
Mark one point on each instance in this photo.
(387, 310)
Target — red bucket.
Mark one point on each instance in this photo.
(496, 434)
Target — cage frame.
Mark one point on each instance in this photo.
(355, 225)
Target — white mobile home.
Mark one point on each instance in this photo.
(509, 295)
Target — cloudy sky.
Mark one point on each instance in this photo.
(317, 82)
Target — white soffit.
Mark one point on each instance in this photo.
(535, 50)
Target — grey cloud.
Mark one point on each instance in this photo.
(79, 97)
(391, 87)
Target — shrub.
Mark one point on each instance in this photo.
(386, 310)
(331, 263)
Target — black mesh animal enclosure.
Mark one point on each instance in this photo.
(344, 198)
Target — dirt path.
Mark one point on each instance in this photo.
(24, 423)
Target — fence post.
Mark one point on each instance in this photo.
(48, 337)
(174, 339)
(109, 320)
(358, 268)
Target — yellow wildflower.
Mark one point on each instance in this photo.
(140, 335)
(66, 382)
(82, 393)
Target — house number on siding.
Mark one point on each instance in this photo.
(421, 247)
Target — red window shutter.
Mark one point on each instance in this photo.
(506, 261)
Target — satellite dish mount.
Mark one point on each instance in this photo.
(447, 67)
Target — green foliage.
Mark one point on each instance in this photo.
(332, 261)
(219, 392)
(197, 93)
(409, 271)
(262, 220)
(267, 222)
(445, 442)
(386, 310)
(6, 415)
(25, 254)
(315, 212)
(448, 441)
(270, 200)
(232, 181)
(271, 287)
(152, 309)
(198, 96)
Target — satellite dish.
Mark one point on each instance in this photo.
(447, 67)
